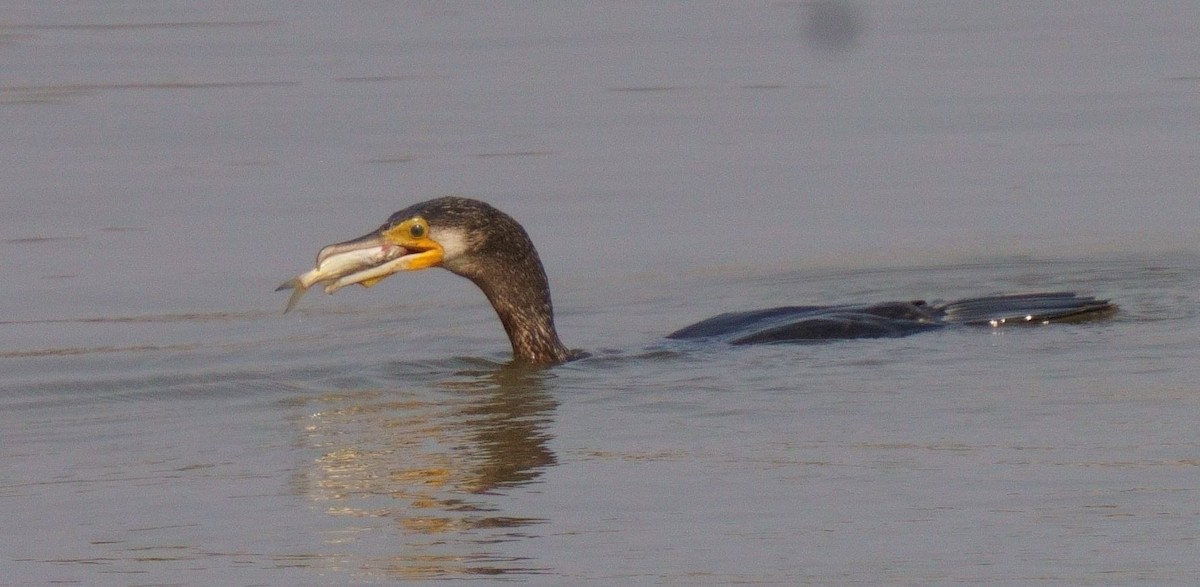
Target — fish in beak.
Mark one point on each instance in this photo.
(343, 261)
(395, 247)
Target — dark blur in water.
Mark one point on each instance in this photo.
(165, 167)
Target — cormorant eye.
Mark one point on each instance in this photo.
(417, 230)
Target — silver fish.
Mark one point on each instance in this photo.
(337, 261)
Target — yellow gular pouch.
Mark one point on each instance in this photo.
(413, 234)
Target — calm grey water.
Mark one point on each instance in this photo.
(165, 166)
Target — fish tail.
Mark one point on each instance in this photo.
(298, 290)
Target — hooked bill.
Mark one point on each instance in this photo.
(333, 263)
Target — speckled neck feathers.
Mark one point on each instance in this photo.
(498, 256)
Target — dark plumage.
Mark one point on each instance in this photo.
(479, 242)
(500, 259)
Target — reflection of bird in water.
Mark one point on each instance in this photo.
(425, 462)
(475, 240)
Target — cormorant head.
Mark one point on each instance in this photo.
(467, 237)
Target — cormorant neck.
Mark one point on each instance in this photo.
(493, 250)
(521, 299)
(528, 317)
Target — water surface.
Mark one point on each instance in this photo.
(161, 422)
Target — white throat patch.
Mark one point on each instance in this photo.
(454, 244)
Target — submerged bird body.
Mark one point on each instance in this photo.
(475, 240)
(891, 319)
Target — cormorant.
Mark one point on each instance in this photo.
(475, 240)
